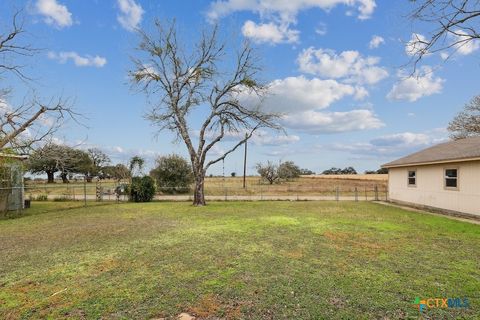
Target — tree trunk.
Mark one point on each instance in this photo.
(199, 193)
(64, 177)
(50, 177)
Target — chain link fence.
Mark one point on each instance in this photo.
(111, 191)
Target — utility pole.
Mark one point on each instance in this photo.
(245, 164)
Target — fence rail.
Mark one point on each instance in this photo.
(88, 192)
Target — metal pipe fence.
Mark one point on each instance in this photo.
(109, 191)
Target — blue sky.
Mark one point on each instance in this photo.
(336, 69)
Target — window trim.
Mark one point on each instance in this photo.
(408, 178)
(445, 178)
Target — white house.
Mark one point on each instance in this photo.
(445, 176)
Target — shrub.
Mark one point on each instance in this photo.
(272, 173)
(268, 172)
(41, 197)
(173, 174)
(61, 199)
(288, 171)
(142, 189)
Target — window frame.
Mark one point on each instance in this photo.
(457, 178)
(408, 178)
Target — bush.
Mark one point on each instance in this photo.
(173, 174)
(272, 173)
(288, 171)
(268, 172)
(338, 171)
(62, 199)
(142, 189)
(41, 197)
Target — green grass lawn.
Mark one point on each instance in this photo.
(235, 260)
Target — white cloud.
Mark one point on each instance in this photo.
(416, 45)
(259, 137)
(422, 84)
(5, 106)
(300, 100)
(349, 65)
(444, 55)
(463, 44)
(376, 42)
(130, 14)
(332, 122)
(321, 29)
(401, 140)
(269, 32)
(54, 13)
(301, 94)
(287, 10)
(393, 144)
(78, 60)
(264, 138)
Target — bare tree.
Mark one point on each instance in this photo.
(98, 157)
(456, 25)
(11, 48)
(268, 172)
(466, 123)
(33, 120)
(178, 82)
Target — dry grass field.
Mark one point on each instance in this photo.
(215, 186)
(305, 185)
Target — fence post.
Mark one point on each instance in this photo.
(376, 193)
(336, 194)
(366, 197)
(356, 194)
(85, 191)
(98, 191)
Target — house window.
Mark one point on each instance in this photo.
(412, 178)
(451, 178)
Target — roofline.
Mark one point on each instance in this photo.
(410, 164)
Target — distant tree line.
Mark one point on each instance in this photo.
(333, 170)
(379, 171)
(66, 161)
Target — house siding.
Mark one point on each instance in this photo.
(430, 187)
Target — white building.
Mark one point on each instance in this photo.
(445, 177)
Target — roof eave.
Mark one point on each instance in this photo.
(411, 164)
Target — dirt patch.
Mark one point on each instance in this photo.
(337, 302)
(357, 242)
(207, 306)
(294, 254)
(211, 307)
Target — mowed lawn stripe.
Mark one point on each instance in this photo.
(245, 260)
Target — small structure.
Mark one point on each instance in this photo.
(11, 182)
(445, 176)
